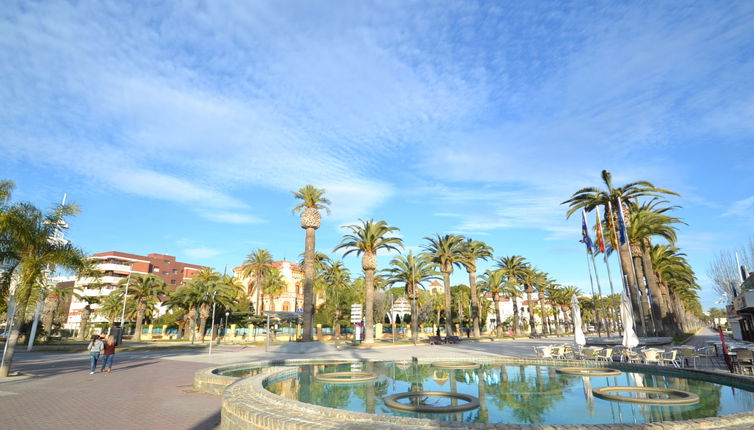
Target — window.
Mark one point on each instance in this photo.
(156, 270)
(165, 273)
(172, 281)
(175, 271)
(286, 307)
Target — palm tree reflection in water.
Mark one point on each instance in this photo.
(516, 394)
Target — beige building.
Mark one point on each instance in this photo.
(291, 299)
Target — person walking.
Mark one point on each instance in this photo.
(109, 352)
(95, 347)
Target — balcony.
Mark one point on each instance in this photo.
(123, 268)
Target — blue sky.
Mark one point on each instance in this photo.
(182, 127)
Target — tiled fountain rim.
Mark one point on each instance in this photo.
(248, 405)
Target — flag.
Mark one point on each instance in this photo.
(611, 225)
(621, 224)
(600, 245)
(585, 233)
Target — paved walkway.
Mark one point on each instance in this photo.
(153, 388)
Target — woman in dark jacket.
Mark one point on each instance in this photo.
(107, 358)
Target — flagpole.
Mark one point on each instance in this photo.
(591, 282)
(610, 279)
(599, 289)
(601, 248)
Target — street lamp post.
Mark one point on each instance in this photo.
(225, 327)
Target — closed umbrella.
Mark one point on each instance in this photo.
(578, 333)
(630, 340)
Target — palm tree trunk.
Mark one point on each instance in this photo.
(191, 327)
(203, 314)
(556, 311)
(542, 310)
(369, 311)
(309, 285)
(474, 303)
(496, 302)
(633, 292)
(48, 315)
(645, 307)
(662, 325)
(448, 309)
(22, 300)
(414, 316)
(83, 323)
(516, 317)
(532, 323)
(139, 320)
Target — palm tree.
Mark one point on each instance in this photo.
(529, 279)
(273, 286)
(86, 313)
(591, 197)
(649, 220)
(258, 264)
(514, 268)
(146, 291)
(445, 252)
(313, 200)
(411, 271)
(474, 250)
(338, 287)
(187, 297)
(52, 303)
(678, 283)
(365, 240)
(111, 307)
(26, 251)
(493, 282)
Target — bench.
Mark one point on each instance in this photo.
(452, 339)
(435, 340)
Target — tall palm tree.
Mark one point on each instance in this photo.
(514, 268)
(312, 201)
(258, 265)
(493, 282)
(366, 239)
(52, 303)
(112, 306)
(474, 250)
(446, 251)
(26, 251)
(273, 286)
(145, 291)
(411, 271)
(337, 278)
(187, 298)
(592, 197)
(86, 313)
(649, 220)
(678, 284)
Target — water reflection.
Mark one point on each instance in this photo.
(510, 394)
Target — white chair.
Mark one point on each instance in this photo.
(651, 356)
(670, 357)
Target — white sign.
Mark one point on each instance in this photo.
(356, 313)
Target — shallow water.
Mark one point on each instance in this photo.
(515, 394)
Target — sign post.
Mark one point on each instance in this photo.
(356, 318)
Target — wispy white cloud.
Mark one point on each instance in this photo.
(201, 252)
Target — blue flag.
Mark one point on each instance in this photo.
(585, 233)
(622, 233)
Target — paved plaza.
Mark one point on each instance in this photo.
(153, 388)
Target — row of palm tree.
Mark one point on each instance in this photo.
(660, 282)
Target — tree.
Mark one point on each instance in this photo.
(474, 250)
(411, 271)
(273, 286)
(86, 313)
(591, 197)
(26, 251)
(338, 291)
(514, 268)
(145, 291)
(366, 239)
(493, 282)
(112, 306)
(312, 201)
(258, 264)
(188, 298)
(445, 252)
(53, 301)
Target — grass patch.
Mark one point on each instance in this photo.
(682, 337)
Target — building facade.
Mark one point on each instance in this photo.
(117, 266)
(291, 299)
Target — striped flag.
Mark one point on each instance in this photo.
(622, 224)
(600, 245)
(585, 233)
(611, 225)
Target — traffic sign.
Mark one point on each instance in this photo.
(356, 313)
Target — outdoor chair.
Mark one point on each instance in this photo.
(605, 355)
(670, 357)
(632, 356)
(568, 351)
(744, 361)
(587, 354)
(651, 356)
(707, 352)
(542, 352)
(688, 354)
